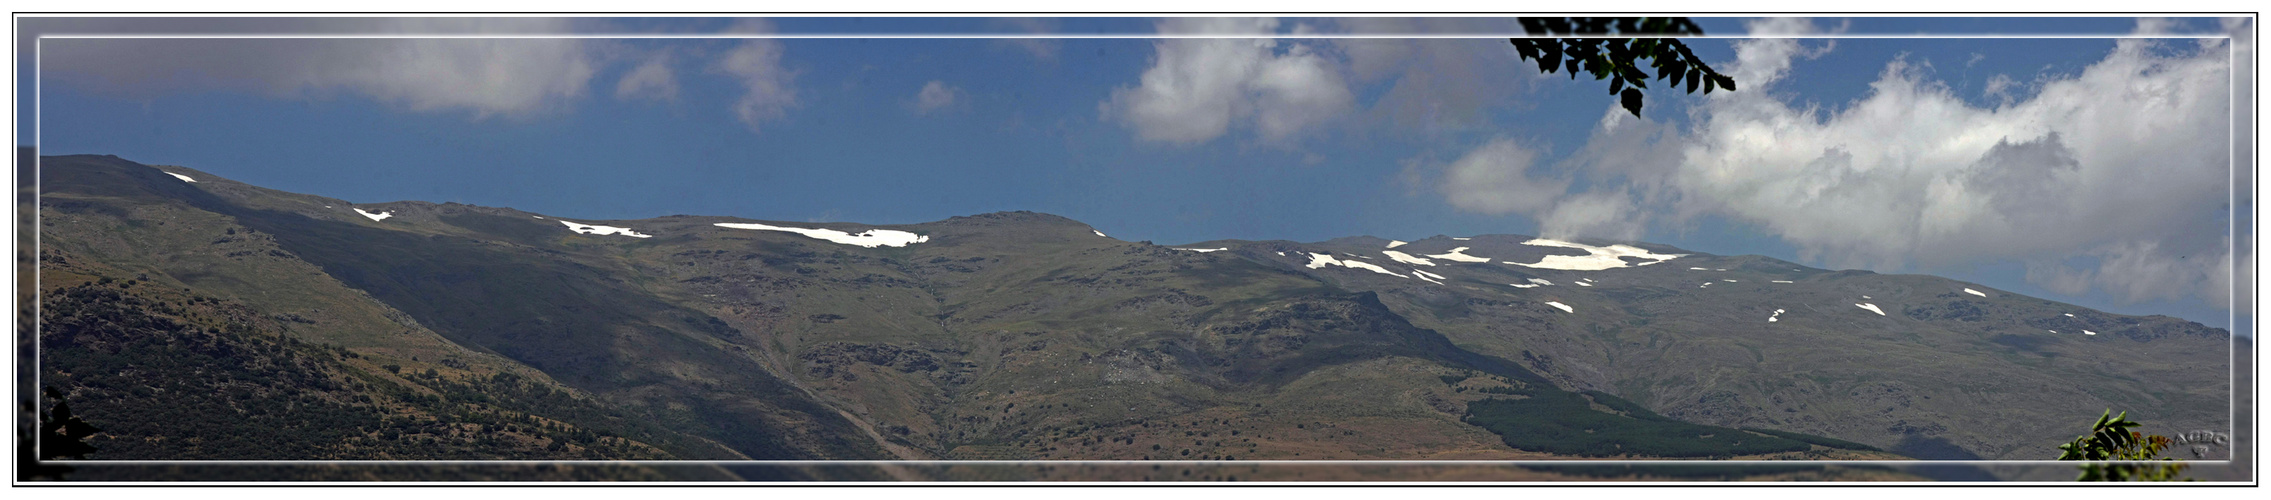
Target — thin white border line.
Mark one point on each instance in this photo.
(1575, 462)
(1137, 36)
(39, 59)
(39, 398)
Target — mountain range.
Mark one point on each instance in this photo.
(170, 296)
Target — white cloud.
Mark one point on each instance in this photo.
(936, 95)
(2122, 164)
(652, 79)
(2112, 178)
(1044, 49)
(1495, 179)
(499, 76)
(1434, 85)
(1198, 89)
(769, 89)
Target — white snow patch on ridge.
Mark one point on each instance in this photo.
(1098, 233)
(1581, 283)
(1872, 308)
(375, 217)
(2087, 332)
(1203, 250)
(1777, 314)
(1462, 239)
(1454, 255)
(603, 230)
(1319, 261)
(1563, 307)
(1599, 258)
(183, 178)
(1519, 285)
(870, 239)
(1429, 274)
(1396, 243)
(1781, 281)
(1541, 282)
(1974, 292)
(1406, 258)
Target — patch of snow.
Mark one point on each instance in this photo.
(1872, 308)
(1541, 282)
(1396, 243)
(1581, 283)
(1720, 270)
(1563, 307)
(375, 217)
(1462, 239)
(2053, 331)
(1730, 281)
(1777, 314)
(1368, 265)
(1974, 292)
(1864, 296)
(603, 230)
(2069, 315)
(1429, 274)
(1423, 276)
(183, 178)
(539, 217)
(1597, 258)
(1781, 281)
(2087, 332)
(1203, 250)
(1519, 285)
(1098, 233)
(1281, 254)
(1454, 255)
(870, 238)
(1697, 269)
(1406, 258)
(1319, 261)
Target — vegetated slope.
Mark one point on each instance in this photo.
(172, 375)
(486, 303)
(1021, 335)
(1938, 369)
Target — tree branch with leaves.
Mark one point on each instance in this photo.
(1607, 48)
(2111, 439)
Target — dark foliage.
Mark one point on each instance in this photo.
(160, 385)
(1618, 59)
(1565, 423)
(1813, 439)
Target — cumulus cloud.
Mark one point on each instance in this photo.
(1044, 49)
(768, 87)
(1434, 85)
(652, 79)
(487, 77)
(1496, 179)
(936, 95)
(2114, 178)
(1198, 89)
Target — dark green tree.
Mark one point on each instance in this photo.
(63, 435)
(2111, 439)
(1607, 48)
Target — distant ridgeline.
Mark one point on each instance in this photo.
(192, 316)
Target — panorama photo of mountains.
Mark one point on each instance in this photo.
(1129, 249)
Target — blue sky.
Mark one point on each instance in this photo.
(2084, 170)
